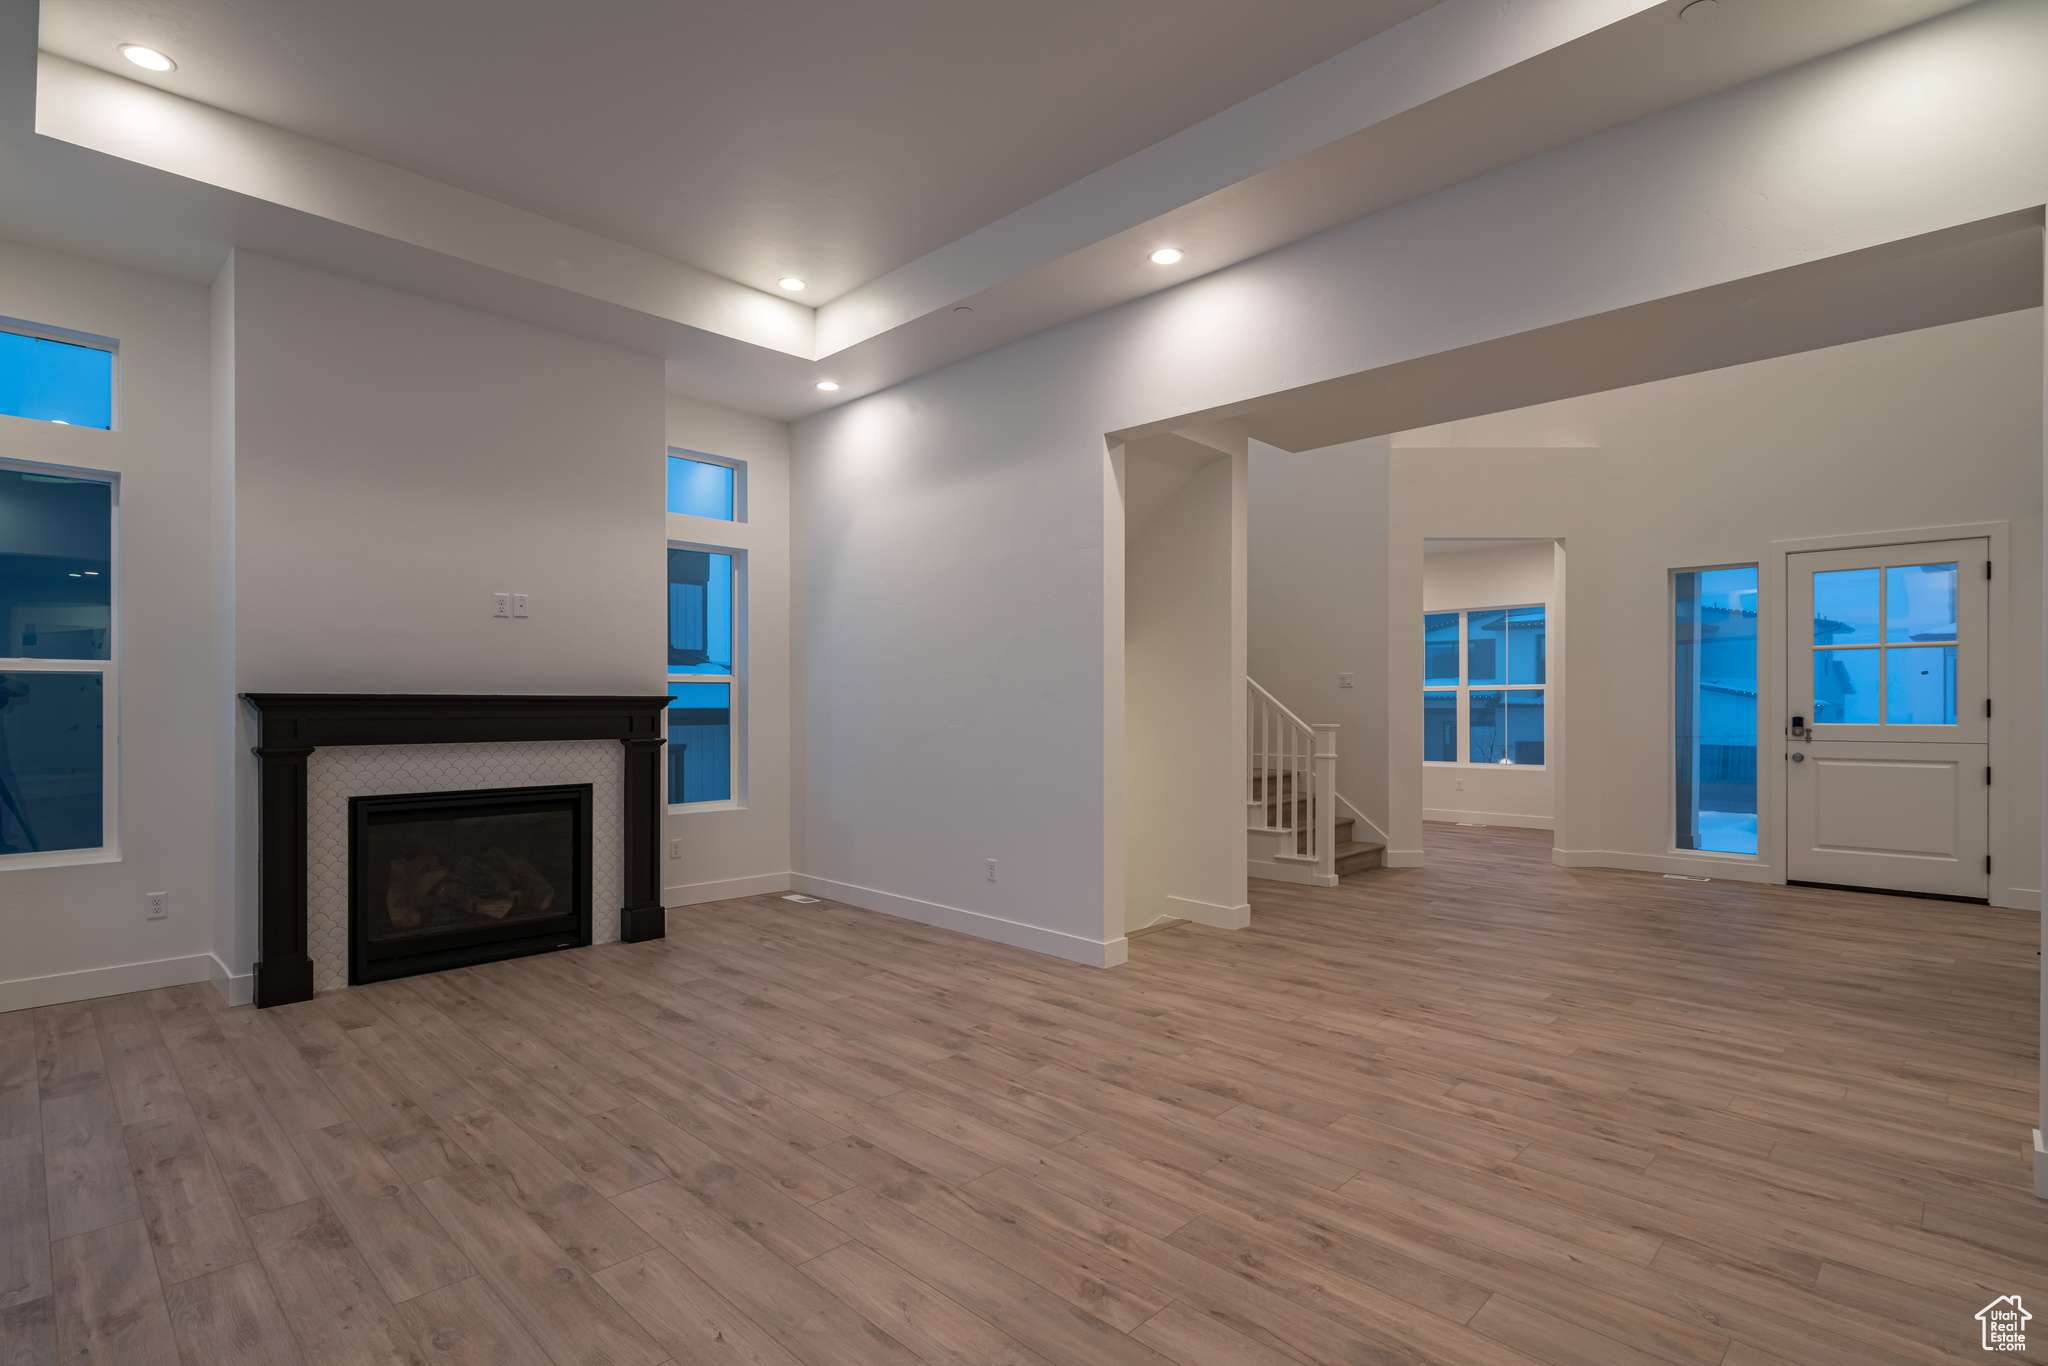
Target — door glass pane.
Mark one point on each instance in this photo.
(1486, 647)
(1524, 709)
(1845, 607)
(699, 612)
(1488, 740)
(1845, 687)
(52, 751)
(1527, 646)
(56, 566)
(699, 742)
(1920, 686)
(1440, 648)
(1920, 602)
(1715, 709)
(700, 488)
(1440, 727)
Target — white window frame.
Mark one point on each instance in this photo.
(1766, 621)
(739, 482)
(1465, 687)
(109, 670)
(91, 341)
(735, 681)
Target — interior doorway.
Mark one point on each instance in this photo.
(1887, 659)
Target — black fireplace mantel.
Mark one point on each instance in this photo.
(291, 726)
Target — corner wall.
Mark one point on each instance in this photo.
(743, 852)
(1184, 701)
(76, 932)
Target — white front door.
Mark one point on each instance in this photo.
(1887, 685)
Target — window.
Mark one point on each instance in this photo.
(1714, 619)
(1915, 651)
(56, 659)
(704, 486)
(68, 382)
(703, 599)
(1483, 678)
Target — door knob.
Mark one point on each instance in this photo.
(1799, 758)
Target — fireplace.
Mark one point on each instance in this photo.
(444, 879)
(291, 727)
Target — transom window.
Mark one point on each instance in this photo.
(1484, 672)
(69, 382)
(705, 486)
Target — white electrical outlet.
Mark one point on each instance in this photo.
(991, 870)
(156, 905)
(501, 604)
(519, 604)
(1344, 680)
(675, 848)
(1461, 784)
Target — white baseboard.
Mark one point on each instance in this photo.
(1508, 818)
(725, 889)
(1209, 913)
(1401, 858)
(1276, 870)
(236, 991)
(1692, 865)
(2017, 898)
(26, 993)
(1072, 947)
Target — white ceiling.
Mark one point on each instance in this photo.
(817, 138)
(950, 175)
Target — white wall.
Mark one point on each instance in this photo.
(1184, 662)
(1491, 576)
(396, 461)
(949, 586)
(72, 932)
(1940, 427)
(742, 852)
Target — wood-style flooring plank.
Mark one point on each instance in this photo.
(256, 1158)
(403, 1244)
(338, 1311)
(231, 1317)
(192, 1221)
(110, 1305)
(466, 1324)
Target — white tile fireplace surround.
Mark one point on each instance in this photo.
(335, 775)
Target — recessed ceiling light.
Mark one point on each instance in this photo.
(790, 283)
(1698, 9)
(148, 58)
(828, 385)
(1165, 256)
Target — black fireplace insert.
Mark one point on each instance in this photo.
(444, 879)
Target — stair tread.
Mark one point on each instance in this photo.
(1358, 847)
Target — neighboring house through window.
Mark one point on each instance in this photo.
(1484, 672)
(706, 633)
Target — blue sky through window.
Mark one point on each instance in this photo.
(700, 488)
(55, 381)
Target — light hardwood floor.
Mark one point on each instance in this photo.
(1489, 1113)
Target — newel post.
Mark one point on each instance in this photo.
(1325, 804)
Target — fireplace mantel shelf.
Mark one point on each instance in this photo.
(290, 726)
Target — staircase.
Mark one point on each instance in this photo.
(1291, 801)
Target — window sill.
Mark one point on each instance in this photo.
(691, 808)
(1491, 768)
(59, 858)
